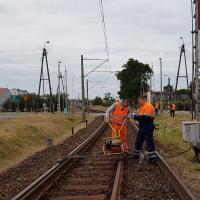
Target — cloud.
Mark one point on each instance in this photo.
(143, 30)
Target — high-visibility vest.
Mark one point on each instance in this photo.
(119, 115)
(156, 106)
(173, 106)
(147, 109)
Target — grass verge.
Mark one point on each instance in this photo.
(23, 136)
(170, 142)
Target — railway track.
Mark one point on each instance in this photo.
(86, 174)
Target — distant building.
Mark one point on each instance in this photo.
(169, 97)
(4, 95)
(15, 91)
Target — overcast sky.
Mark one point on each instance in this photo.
(145, 30)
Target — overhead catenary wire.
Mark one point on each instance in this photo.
(104, 81)
(101, 8)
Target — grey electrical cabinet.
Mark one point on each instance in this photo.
(191, 132)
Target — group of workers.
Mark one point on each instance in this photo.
(171, 107)
(120, 111)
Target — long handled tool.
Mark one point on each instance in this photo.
(113, 145)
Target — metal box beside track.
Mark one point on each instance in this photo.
(191, 132)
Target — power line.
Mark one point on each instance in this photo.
(106, 41)
(101, 8)
(106, 47)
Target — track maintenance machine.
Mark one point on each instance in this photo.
(113, 145)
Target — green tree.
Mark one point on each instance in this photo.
(168, 88)
(97, 101)
(183, 91)
(133, 79)
(108, 99)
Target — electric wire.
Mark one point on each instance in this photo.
(101, 8)
(105, 80)
(177, 154)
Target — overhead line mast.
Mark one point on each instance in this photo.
(196, 53)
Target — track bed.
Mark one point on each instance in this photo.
(15, 179)
(144, 181)
(91, 178)
(90, 175)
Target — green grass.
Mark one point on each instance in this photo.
(170, 142)
(24, 136)
(170, 131)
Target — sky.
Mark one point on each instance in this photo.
(145, 30)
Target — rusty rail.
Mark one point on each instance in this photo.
(180, 188)
(44, 182)
(183, 192)
(118, 180)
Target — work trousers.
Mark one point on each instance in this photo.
(147, 136)
(123, 133)
(172, 112)
(156, 111)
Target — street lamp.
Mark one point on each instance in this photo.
(47, 42)
(161, 95)
(59, 76)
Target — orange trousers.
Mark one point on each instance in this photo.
(123, 135)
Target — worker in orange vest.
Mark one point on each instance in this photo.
(156, 108)
(116, 115)
(173, 109)
(146, 129)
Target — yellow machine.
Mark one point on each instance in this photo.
(113, 145)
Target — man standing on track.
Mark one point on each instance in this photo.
(116, 114)
(146, 129)
(173, 109)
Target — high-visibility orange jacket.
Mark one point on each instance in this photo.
(119, 114)
(117, 118)
(147, 109)
(146, 117)
(156, 106)
(173, 107)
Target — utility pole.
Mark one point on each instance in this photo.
(43, 79)
(83, 90)
(150, 88)
(169, 84)
(197, 66)
(66, 94)
(59, 90)
(182, 52)
(161, 90)
(83, 77)
(87, 93)
(193, 57)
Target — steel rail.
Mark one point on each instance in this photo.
(118, 181)
(183, 192)
(44, 182)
